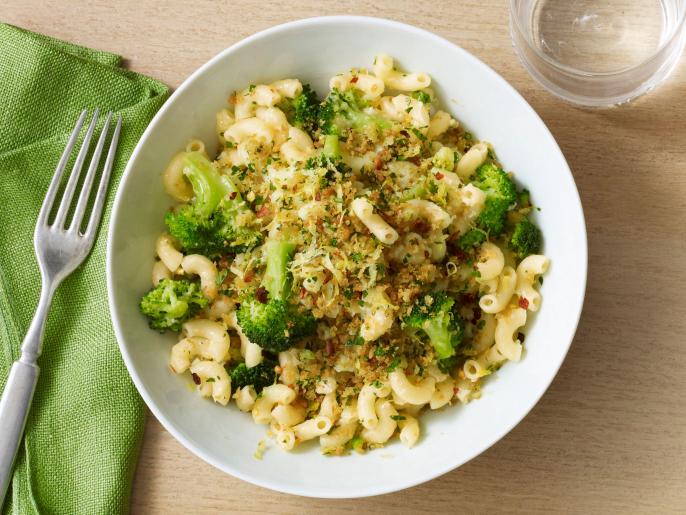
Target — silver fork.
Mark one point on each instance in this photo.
(60, 248)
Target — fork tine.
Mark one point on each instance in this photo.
(90, 177)
(75, 172)
(102, 187)
(59, 172)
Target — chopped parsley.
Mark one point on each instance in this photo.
(418, 133)
(358, 340)
(422, 96)
(221, 275)
(393, 364)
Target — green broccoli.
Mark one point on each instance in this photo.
(303, 110)
(266, 316)
(343, 111)
(447, 365)
(332, 147)
(171, 303)
(258, 376)
(501, 195)
(526, 239)
(329, 163)
(433, 314)
(208, 225)
(471, 239)
(524, 199)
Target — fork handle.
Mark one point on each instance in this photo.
(14, 409)
(21, 384)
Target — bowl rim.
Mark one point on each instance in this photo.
(374, 488)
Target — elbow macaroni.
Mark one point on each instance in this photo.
(159, 272)
(411, 393)
(271, 396)
(527, 271)
(383, 430)
(364, 210)
(491, 261)
(366, 400)
(195, 264)
(166, 251)
(383, 68)
(475, 157)
(214, 380)
(507, 323)
(174, 180)
(496, 302)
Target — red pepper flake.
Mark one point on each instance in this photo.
(455, 390)
(460, 255)
(420, 226)
(303, 292)
(415, 160)
(427, 253)
(477, 314)
(330, 348)
(439, 176)
(354, 80)
(196, 378)
(405, 133)
(378, 162)
(261, 295)
(318, 196)
(523, 303)
(248, 277)
(233, 195)
(264, 211)
(467, 298)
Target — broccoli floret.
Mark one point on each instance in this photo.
(501, 195)
(303, 110)
(471, 239)
(329, 162)
(208, 226)
(447, 365)
(524, 199)
(433, 314)
(332, 147)
(266, 316)
(526, 239)
(258, 376)
(171, 303)
(342, 111)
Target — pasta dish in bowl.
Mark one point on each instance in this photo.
(341, 263)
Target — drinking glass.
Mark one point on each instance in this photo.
(598, 53)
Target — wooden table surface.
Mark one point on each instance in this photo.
(610, 434)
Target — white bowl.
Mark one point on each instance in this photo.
(314, 50)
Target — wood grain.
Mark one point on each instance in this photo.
(610, 434)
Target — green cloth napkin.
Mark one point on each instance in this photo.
(85, 427)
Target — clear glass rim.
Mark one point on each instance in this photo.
(592, 75)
